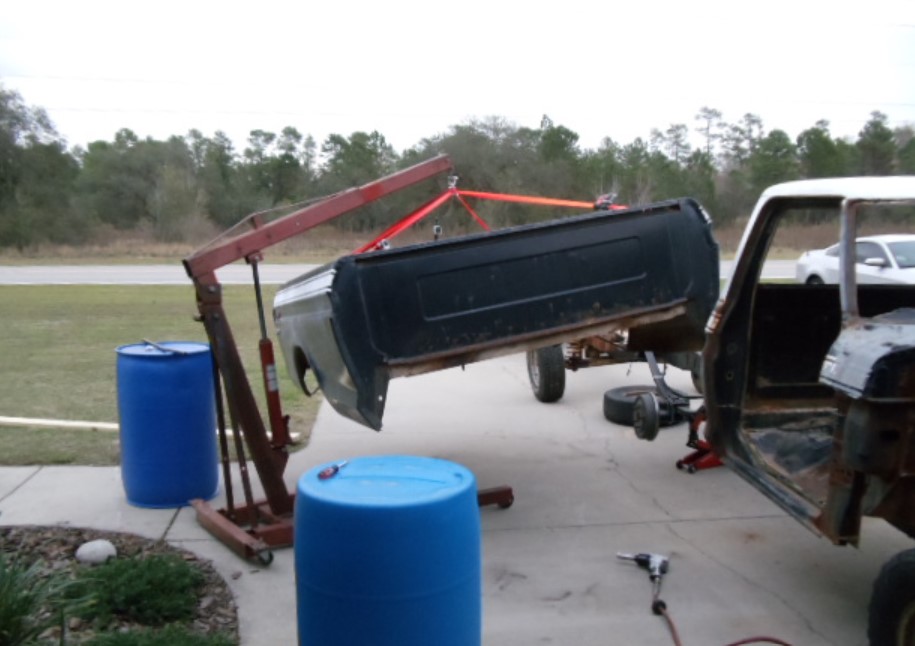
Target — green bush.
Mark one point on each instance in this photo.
(172, 635)
(29, 602)
(152, 591)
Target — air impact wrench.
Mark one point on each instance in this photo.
(657, 566)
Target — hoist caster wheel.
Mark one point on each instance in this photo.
(680, 464)
(505, 504)
(264, 557)
(691, 468)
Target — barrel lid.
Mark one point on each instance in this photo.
(387, 481)
(163, 348)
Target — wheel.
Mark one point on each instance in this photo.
(508, 502)
(264, 557)
(546, 369)
(680, 464)
(619, 404)
(814, 280)
(891, 616)
(646, 417)
(691, 468)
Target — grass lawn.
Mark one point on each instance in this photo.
(58, 344)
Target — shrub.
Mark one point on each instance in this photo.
(152, 591)
(172, 635)
(30, 602)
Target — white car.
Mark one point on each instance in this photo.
(879, 259)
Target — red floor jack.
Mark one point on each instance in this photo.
(702, 456)
(647, 419)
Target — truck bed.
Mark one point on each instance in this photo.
(364, 319)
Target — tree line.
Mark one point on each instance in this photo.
(193, 183)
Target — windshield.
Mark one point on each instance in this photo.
(904, 252)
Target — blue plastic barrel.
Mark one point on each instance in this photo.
(167, 412)
(387, 553)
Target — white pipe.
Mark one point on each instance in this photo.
(90, 426)
(56, 423)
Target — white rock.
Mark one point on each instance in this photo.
(97, 551)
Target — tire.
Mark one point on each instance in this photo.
(891, 616)
(619, 405)
(813, 279)
(546, 370)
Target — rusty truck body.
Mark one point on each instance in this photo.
(367, 318)
(810, 388)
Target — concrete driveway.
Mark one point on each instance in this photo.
(584, 490)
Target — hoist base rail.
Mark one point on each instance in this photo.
(268, 531)
(272, 531)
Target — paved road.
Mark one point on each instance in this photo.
(236, 274)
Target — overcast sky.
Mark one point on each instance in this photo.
(410, 68)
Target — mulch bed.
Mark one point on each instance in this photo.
(55, 547)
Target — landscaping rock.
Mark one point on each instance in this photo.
(96, 552)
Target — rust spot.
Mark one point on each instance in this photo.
(751, 537)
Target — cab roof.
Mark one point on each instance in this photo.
(901, 187)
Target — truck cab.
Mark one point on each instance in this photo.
(810, 388)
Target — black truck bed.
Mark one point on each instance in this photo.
(364, 319)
